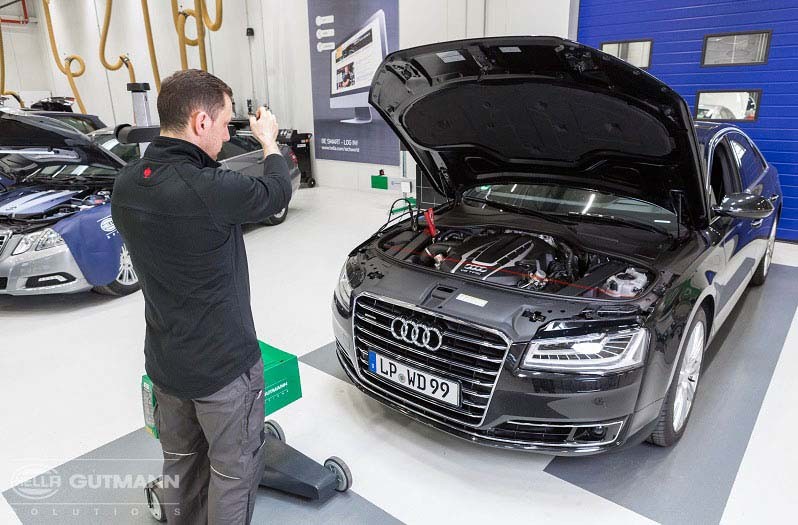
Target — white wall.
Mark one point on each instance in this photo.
(26, 71)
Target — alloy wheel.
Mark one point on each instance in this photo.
(688, 377)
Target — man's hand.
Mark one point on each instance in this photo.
(264, 127)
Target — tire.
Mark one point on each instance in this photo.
(342, 473)
(277, 218)
(126, 282)
(155, 503)
(761, 272)
(274, 429)
(674, 415)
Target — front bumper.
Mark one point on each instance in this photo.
(49, 271)
(542, 412)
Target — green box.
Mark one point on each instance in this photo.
(280, 377)
(379, 182)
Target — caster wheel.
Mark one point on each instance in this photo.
(341, 471)
(154, 494)
(274, 429)
(312, 183)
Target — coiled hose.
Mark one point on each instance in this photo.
(66, 66)
(123, 60)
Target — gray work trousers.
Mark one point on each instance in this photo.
(212, 452)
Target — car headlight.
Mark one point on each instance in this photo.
(596, 353)
(351, 277)
(39, 240)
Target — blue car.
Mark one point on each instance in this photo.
(56, 231)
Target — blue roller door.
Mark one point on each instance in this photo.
(677, 29)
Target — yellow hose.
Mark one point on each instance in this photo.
(203, 21)
(124, 60)
(151, 45)
(66, 66)
(3, 90)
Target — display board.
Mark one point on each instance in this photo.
(348, 40)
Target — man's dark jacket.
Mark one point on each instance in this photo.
(180, 216)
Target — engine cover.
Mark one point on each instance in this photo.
(506, 258)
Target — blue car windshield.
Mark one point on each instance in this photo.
(69, 173)
(566, 202)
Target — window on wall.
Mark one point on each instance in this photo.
(727, 105)
(736, 48)
(636, 52)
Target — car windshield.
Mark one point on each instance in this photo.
(568, 202)
(81, 124)
(126, 152)
(70, 173)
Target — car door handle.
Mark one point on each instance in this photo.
(757, 223)
(774, 198)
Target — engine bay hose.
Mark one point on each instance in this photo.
(66, 66)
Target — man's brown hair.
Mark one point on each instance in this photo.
(188, 91)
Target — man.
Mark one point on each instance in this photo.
(180, 216)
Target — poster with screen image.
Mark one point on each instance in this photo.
(348, 41)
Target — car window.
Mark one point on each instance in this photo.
(70, 173)
(724, 178)
(749, 162)
(231, 149)
(562, 200)
(82, 125)
(126, 152)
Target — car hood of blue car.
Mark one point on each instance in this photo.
(27, 202)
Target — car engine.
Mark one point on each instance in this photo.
(519, 259)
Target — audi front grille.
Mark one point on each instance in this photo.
(466, 353)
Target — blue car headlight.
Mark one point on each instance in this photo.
(39, 240)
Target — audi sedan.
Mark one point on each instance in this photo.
(594, 242)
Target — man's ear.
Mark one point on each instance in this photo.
(201, 123)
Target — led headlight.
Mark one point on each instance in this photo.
(596, 353)
(41, 240)
(351, 277)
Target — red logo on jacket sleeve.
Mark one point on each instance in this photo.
(147, 173)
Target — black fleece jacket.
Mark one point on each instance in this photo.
(180, 216)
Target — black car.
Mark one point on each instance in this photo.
(593, 243)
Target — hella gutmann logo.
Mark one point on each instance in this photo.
(107, 225)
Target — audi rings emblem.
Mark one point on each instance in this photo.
(416, 333)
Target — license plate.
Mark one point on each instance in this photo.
(415, 380)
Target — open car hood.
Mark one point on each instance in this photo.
(540, 109)
(41, 138)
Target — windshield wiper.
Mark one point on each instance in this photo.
(524, 211)
(617, 220)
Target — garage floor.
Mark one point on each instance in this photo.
(70, 369)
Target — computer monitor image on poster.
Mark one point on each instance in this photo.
(352, 66)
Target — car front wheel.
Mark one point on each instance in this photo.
(761, 272)
(277, 218)
(127, 280)
(678, 404)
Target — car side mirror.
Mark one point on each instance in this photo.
(744, 206)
